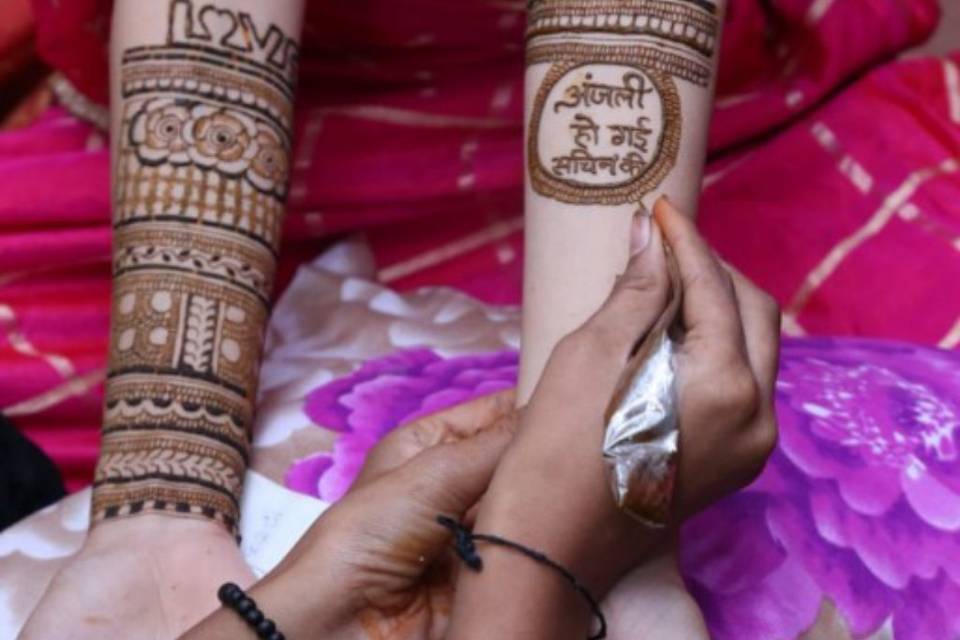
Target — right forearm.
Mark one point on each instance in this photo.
(202, 108)
(618, 103)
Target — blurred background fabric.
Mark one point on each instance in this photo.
(832, 179)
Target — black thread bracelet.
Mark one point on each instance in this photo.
(463, 542)
(234, 598)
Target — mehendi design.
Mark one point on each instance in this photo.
(200, 182)
(606, 122)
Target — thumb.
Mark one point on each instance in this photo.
(639, 295)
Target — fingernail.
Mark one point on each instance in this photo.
(640, 231)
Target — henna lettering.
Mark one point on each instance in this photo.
(192, 24)
(593, 94)
(586, 131)
(632, 136)
(606, 121)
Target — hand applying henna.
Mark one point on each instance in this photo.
(550, 491)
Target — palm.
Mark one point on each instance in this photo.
(138, 579)
(421, 613)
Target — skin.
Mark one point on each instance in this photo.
(136, 576)
(574, 252)
(130, 580)
(728, 364)
(377, 565)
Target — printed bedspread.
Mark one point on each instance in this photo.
(833, 184)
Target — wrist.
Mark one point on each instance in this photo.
(516, 597)
(306, 604)
(138, 529)
(309, 593)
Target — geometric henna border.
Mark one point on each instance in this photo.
(646, 57)
(547, 185)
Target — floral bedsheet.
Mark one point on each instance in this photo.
(851, 531)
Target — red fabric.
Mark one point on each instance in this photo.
(409, 127)
(16, 31)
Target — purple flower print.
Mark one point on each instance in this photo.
(383, 394)
(860, 505)
(858, 509)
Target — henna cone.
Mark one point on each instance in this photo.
(642, 436)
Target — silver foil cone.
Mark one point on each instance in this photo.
(642, 437)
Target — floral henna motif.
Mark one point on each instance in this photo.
(200, 183)
(182, 132)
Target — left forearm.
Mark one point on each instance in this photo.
(202, 98)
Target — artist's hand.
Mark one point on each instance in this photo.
(148, 577)
(550, 491)
(377, 565)
(651, 600)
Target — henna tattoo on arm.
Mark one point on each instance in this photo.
(617, 106)
(606, 122)
(200, 183)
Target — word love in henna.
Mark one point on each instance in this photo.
(591, 94)
(232, 30)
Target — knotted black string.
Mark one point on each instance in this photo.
(464, 543)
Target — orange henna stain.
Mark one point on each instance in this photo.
(424, 618)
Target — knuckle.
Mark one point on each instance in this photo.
(644, 283)
(694, 280)
(755, 448)
(761, 440)
(388, 444)
(761, 446)
(508, 422)
(722, 275)
(570, 346)
(432, 466)
(741, 395)
(751, 472)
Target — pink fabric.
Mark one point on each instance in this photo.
(870, 180)
(409, 126)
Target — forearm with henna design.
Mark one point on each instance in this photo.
(201, 158)
(618, 101)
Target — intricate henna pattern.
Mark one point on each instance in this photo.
(200, 181)
(611, 85)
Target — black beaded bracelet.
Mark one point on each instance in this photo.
(234, 598)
